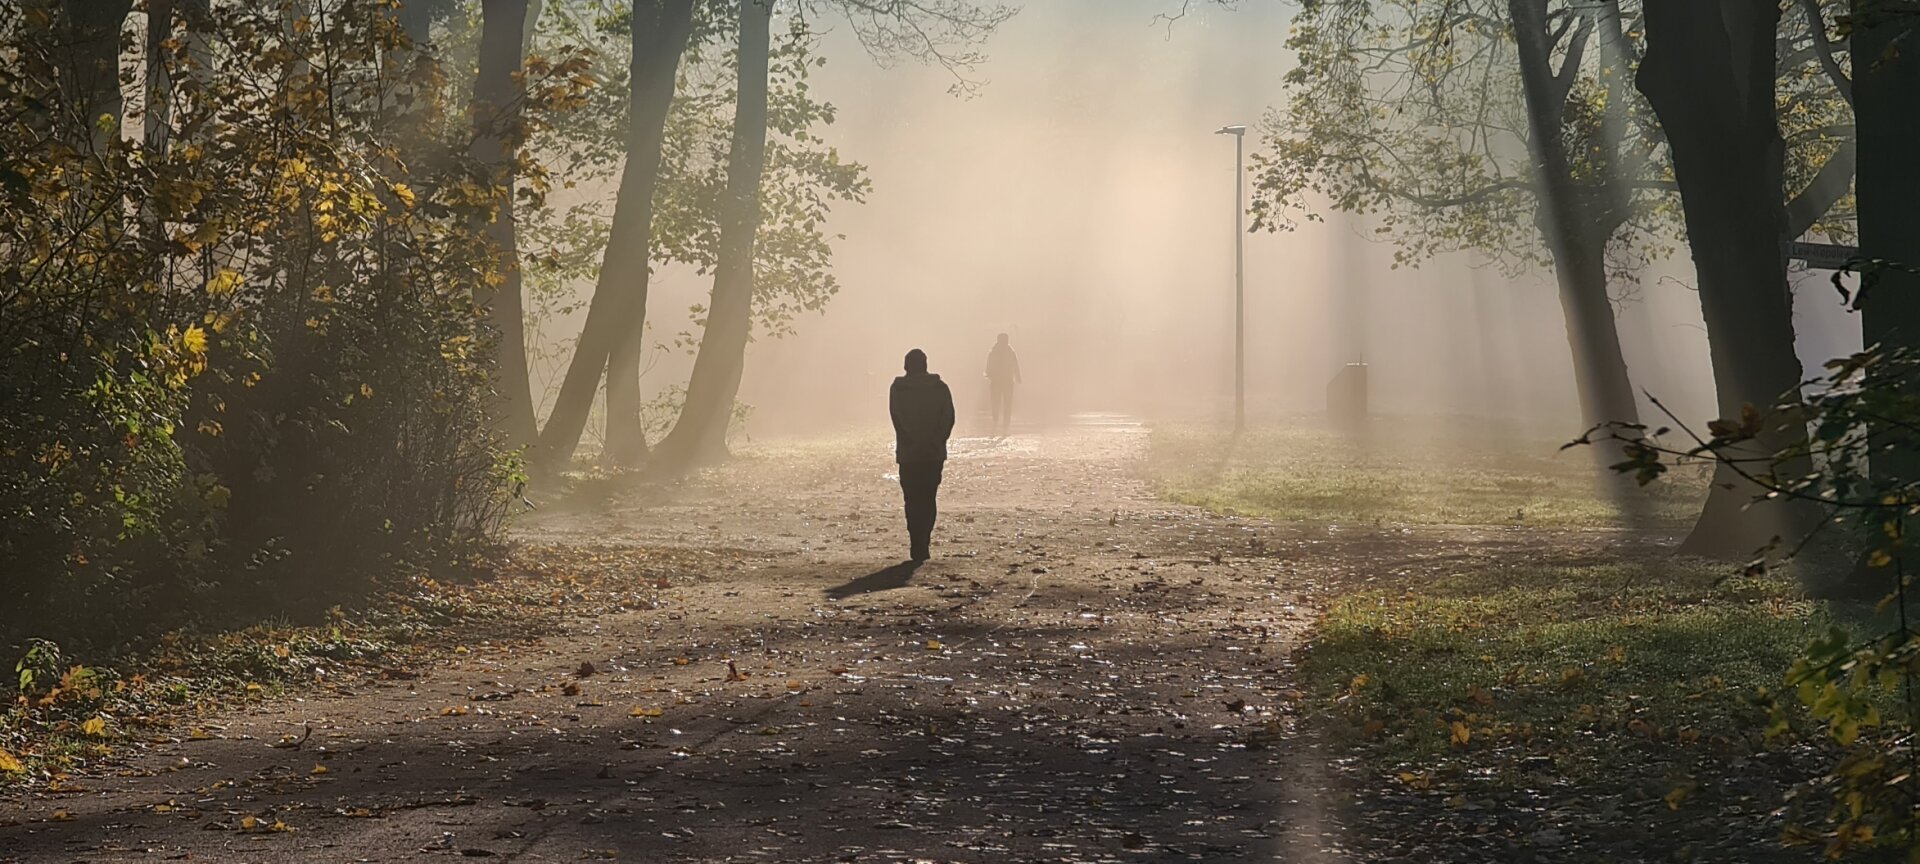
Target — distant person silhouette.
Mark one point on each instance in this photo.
(922, 409)
(1003, 374)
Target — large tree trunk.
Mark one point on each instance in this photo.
(1709, 75)
(701, 432)
(661, 29)
(1886, 103)
(497, 92)
(1576, 236)
(1886, 92)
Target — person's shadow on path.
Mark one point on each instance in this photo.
(884, 579)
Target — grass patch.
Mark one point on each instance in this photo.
(1566, 658)
(1414, 470)
(1613, 708)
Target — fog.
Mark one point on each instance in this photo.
(1080, 202)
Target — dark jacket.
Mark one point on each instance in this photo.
(922, 409)
(1003, 366)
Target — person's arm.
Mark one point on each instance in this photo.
(946, 408)
(894, 407)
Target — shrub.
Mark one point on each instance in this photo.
(247, 363)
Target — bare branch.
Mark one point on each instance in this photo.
(1817, 28)
(1827, 188)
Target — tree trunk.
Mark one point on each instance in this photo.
(1599, 366)
(626, 431)
(1709, 76)
(1575, 236)
(497, 92)
(661, 29)
(156, 115)
(1886, 103)
(1886, 92)
(700, 434)
(91, 80)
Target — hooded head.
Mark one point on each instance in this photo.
(916, 362)
(1003, 340)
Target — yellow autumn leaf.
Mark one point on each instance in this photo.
(223, 283)
(1879, 558)
(403, 192)
(643, 711)
(248, 823)
(96, 727)
(934, 645)
(318, 769)
(62, 816)
(11, 764)
(194, 340)
(1461, 734)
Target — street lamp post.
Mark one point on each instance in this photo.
(1239, 134)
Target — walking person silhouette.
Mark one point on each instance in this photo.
(922, 409)
(1003, 374)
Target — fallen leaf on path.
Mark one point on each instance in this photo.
(96, 727)
(318, 769)
(11, 764)
(734, 673)
(293, 742)
(642, 711)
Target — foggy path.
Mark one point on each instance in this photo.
(1082, 673)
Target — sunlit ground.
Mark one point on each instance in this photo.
(1403, 470)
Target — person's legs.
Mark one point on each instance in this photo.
(919, 484)
(1002, 406)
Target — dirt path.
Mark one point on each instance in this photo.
(1083, 673)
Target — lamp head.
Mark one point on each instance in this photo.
(1232, 130)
